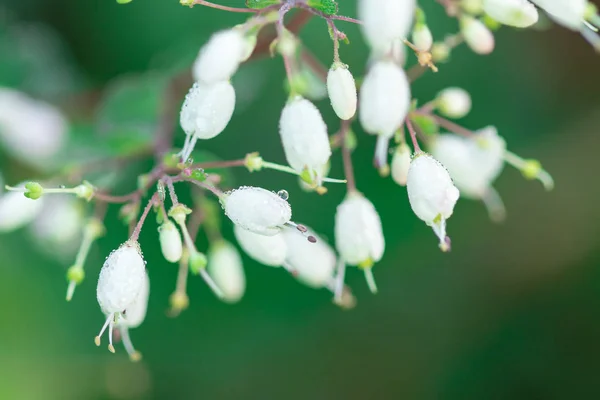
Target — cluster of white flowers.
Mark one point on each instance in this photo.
(459, 163)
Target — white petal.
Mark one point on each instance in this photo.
(342, 92)
(518, 13)
(257, 210)
(207, 110)
(267, 250)
(385, 20)
(121, 278)
(384, 99)
(304, 135)
(170, 242)
(136, 311)
(358, 233)
(225, 267)
(569, 13)
(454, 102)
(219, 59)
(477, 36)
(401, 164)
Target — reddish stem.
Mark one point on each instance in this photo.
(413, 135)
(451, 126)
(138, 228)
(347, 157)
(220, 164)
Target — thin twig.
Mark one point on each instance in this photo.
(138, 228)
(347, 157)
(413, 135)
(224, 8)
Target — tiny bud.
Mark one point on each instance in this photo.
(479, 38)
(129, 212)
(453, 102)
(287, 44)
(422, 37)
(531, 169)
(170, 242)
(342, 91)
(33, 190)
(179, 213)
(198, 175)
(440, 52)
(95, 228)
(75, 274)
(473, 7)
(197, 262)
(85, 191)
(253, 162)
(179, 301)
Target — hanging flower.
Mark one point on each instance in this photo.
(342, 91)
(171, 244)
(517, 13)
(225, 267)
(267, 250)
(432, 194)
(477, 36)
(120, 282)
(383, 21)
(453, 102)
(401, 164)
(220, 58)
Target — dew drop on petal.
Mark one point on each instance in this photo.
(283, 194)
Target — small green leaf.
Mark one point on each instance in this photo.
(328, 7)
(204, 156)
(425, 124)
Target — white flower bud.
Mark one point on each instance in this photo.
(477, 36)
(432, 194)
(59, 225)
(569, 13)
(358, 233)
(120, 282)
(401, 164)
(304, 136)
(474, 7)
(453, 102)
(207, 110)
(16, 210)
(385, 20)
(517, 13)
(31, 130)
(225, 267)
(170, 242)
(314, 263)
(384, 99)
(257, 210)
(422, 37)
(220, 58)
(342, 91)
(473, 163)
(267, 250)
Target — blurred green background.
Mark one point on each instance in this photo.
(512, 312)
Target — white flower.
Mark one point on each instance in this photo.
(477, 36)
(120, 282)
(170, 242)
(225, 267)
(220, 58)
(59, 225)
(267, 250)
(453, 102)
(135, 315)
(16, 210)
(313, 263)
(401, 164)
(385, 20)
(518, 13)
(569, 13)
(358, 233)
(207, 110)
(31, 130)
(257, 210)
(432, 194)
(342, 91)
(422, 37)
(304, 136)
(473, 163)
(384, 99)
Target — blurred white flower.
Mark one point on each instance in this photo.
(267, 250)
(401, 164)
(453, 102)
(313, 263)
(256, 209)
(16, 210)
(569, 13)
(135, 315)
(304, 136)
(422, 37)
(170, 242)
(342, 91)
(385, 20)
(477, 36)
(207, 110)
(119, 284)
(220, 57)
(432, 194)
(517, 13)
(32, 130)
(226, 269)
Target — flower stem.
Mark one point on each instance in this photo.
(413, 135)
(138, 228)
(218, 6)
(347, 157)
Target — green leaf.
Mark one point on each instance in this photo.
(128, 115)
(329, 7)
(260, 4)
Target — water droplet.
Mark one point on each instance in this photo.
(62, 187)
(283, 194)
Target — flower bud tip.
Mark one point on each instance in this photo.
(97, 340)
(136, 356)
(111, 348)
